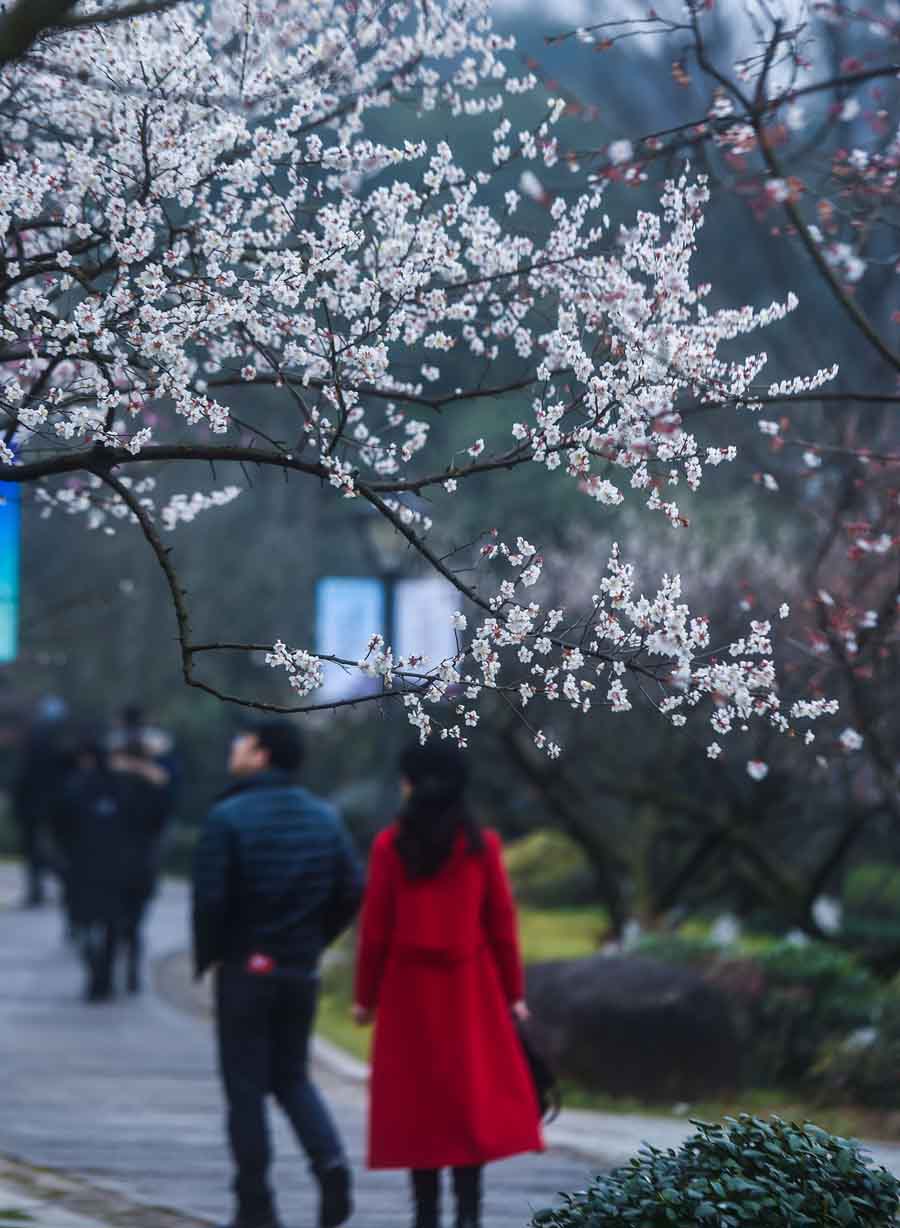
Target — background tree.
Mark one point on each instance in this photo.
(209, 211)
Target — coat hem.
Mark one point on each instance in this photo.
(456, 1161)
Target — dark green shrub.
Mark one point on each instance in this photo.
(789, 999)
(864, 1066)
(675, 948)
(871, 899)
(742, 1173)
(548, 870)
(811, 994)
(873, 887)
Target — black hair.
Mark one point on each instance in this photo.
(282, 739)
(435, 812)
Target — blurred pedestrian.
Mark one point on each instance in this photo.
(36, 789)
(438, 967)
(133, 733)
(275, 881)
(113, 808)
(136, 745)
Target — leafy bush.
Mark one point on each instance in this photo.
(743, 1172)
(864, 1067)
(548, 870)
(789, 999)
(812, 994)
(871, 899)
(680, 948)
(873, 886)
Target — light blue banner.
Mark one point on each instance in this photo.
(9, 571)
(348, 610)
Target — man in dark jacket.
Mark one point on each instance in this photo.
(275, 881)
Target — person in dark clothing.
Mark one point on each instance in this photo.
(275, 881)
(113, 809)
(132, 733)
(36, 788)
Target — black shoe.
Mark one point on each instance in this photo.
(336, 1204)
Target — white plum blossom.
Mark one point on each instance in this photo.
(851, 739)
(621, 151)
(204, 215)
(304, 670)
(182, 510)
(757, 770)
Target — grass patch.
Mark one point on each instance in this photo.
(333, 1020)
(15, 1215)
(560, 933)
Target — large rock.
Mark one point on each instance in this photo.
(634, 1027)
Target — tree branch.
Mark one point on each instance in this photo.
(26, 21)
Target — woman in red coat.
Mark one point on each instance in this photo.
(438, 967)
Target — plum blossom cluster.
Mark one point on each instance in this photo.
(203, 239)
(629, 648)
(660, 343)
(182, 510)
(304, 670)
(88, 497)
(230, 223)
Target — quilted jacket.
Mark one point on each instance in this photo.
(275, 874)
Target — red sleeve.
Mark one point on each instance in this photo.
(376, 924)
(500, 922)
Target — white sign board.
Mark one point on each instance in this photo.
(424, 608)
(349, 609)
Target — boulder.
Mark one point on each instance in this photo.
(630, 1026)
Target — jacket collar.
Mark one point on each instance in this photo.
(272, 778)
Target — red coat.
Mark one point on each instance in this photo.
(439, 962)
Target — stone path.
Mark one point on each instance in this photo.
(126, 1095)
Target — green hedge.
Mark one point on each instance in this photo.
(741, 1173)
(548, 870)
(789, 1000)
(863, 1067)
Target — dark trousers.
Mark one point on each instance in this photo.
(101, 942)
(264, 1024)
(426, 1185)
(34, 858)
(98, 949)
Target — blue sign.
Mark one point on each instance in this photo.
(349, 609)
(9, 571)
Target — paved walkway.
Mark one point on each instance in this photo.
(124, 1097)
